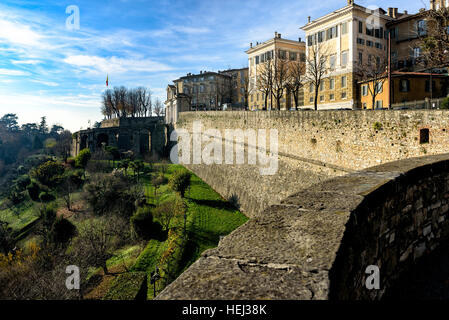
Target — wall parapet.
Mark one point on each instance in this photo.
(317, 243)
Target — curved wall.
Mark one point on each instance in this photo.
(317, 243)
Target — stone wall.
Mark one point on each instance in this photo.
(318, 242)
(317, 145)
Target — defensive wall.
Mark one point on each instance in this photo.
(318, 242)
(317, 145)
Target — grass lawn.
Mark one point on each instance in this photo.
(209, 216)
(19, 216)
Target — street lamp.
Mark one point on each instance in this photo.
(155, 276)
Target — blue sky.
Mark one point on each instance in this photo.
(47, 69)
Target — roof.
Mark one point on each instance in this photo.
(271, 41)
(397, 74)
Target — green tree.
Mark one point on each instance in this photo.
(9, 122)
(43, 128)
(49, 173)
(445, 103)
(62, 231)
(83, 158)
(180, 181)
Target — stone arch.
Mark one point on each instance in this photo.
(102, 138)
(83, 142)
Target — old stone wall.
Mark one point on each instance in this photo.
(318, 242)
(318, 145)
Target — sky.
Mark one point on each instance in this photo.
(50, 67)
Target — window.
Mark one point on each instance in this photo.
(378, 45)
(365, 90)
(421, 27)
(369, 43)
(404, 85)
(416, 52)
(344, 28)
(378, 61)
(332, 84)
(322, 86)
(321, 98)
(311, 87)
(201, 88)
(332, 33)
(344, 58)
(332, 61)
(343, 95)
(379, 104)
(369, 31)
(252, 98)
(423, 135)
(360, 57)
(262, 58)
(311, 99)
(310, 40)
(343, 82)
(331, 96)
(360, 41)
(321, 36)
(379, 87)
(360, 27)
(303, 57)
(257, 60)
(292, 56)
(282, 54)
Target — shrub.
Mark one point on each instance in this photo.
(49, 173)
(180, 181)
(62, 231)
(22, 182)
(46, 197)
(377, 126)
(34, 190)
(83, 158)
(142, 223)
(71, 162)
(445, 103)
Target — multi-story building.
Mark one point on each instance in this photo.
(239, 86)
(263, 54)
(206, 91)
(438, 4)
(346, 38)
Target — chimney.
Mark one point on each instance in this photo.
(250, 44)
(405, 12)
(275, 34)
(390, 12)
(350, 2)
(395, 13)
(299, 39)
(279, 35)
(308, 18)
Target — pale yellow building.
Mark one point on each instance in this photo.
(347, 38)
(258, 56)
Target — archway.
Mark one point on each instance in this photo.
(102, 138)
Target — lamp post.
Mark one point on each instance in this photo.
(155, 276)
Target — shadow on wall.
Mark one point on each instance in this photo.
(400, 220)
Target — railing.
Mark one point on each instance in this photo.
(419, 104)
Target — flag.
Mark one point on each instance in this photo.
(107, 80)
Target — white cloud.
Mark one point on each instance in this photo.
(30, 61)
(11, 72)
(114, 64)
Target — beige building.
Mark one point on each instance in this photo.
(267, 52)
(438, 4)
(347, 38)
(206, 91)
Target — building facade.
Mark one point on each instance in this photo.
(346, 38)
(267, 53)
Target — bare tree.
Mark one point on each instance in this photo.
(295, 79)
(265, 79)
(158, 107)
(316, 68)
(280, 78)
(374, 73)
(144, 96)
(433, 38)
